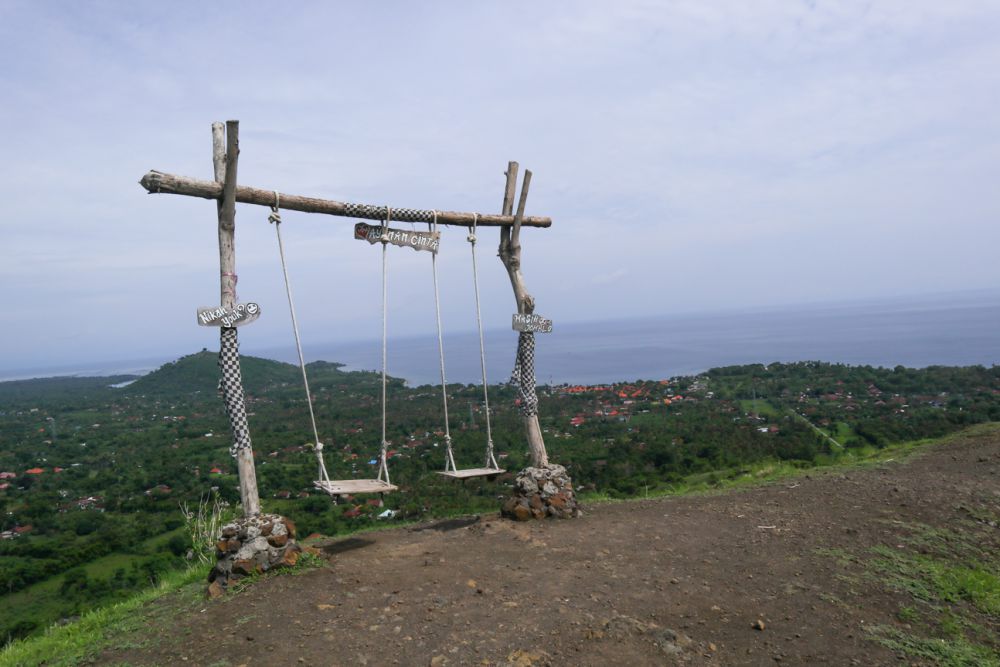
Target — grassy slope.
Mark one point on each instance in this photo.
(41, 602)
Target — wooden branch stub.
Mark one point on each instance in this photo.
(219, 152)
(515, 234)
(228, 216)
(158, 182)
(510, 189)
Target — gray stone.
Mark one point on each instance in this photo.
(541, 492)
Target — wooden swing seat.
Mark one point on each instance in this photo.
(471, 472)
(342, 487)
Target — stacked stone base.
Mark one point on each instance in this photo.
(252, 545)
(541, 493)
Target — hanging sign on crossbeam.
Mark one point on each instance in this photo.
(238, 315)
(533, 323)
(407, 239)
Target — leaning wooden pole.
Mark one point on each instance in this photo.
(225, 153)
(543, 489)
(510, 255)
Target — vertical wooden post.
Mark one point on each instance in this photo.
(225, 153)
(510, 255)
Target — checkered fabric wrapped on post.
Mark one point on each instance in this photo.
(369, 212)
(231, 386)
(523, 376)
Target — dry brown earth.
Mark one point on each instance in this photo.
(744, 577)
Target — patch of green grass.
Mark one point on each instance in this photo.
(942, 542)
(908, 615)
(42, 603)
(769, 471)
(844, 558)
(98, 629)
(307, 562)
(951, 652)
(953, 576)
(762, 408)
(931, 579)
(842, 432)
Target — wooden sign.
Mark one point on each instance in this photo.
(407, 239)
(535, 323)
(240, 314)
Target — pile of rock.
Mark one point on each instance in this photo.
(540, 493)
(252, 545)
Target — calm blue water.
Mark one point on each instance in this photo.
(932, 331)
(946, 330)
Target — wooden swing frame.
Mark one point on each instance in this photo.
(225, 191)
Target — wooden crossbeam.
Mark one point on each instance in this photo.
(157, 182)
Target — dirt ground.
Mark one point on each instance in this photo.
(743, 577)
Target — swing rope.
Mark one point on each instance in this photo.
(449, 462)
(275, 219)
(383, 469)
(491, 462)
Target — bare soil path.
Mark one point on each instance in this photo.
(745, 577)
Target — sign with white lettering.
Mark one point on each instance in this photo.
(407, 239)
(535, 323)
(240, 314)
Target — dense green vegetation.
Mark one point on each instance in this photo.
(94, 475)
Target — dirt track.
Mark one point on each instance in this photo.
(665, 581)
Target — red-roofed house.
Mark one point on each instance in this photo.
(34, 471)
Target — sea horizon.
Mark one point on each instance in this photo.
(915, 331)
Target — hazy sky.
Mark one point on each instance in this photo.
(695, 156)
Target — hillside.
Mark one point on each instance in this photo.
(870, 566)
(199, 372)
(93, 476)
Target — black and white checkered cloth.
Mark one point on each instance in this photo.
(231, 386)
(523, 376)
(369, 212)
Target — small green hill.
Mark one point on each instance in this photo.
(199, 372)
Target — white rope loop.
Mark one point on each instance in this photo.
(275, 219)
(490, 460)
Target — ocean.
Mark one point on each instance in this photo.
(946, 330)
(951, 330)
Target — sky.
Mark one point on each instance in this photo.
(694, 157)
